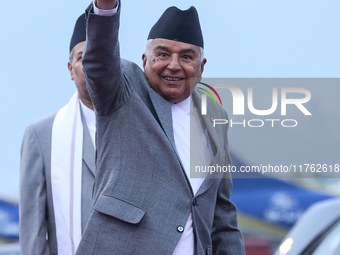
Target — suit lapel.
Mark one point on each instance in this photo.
(164, 113)
(215, 140)
(88, 147)
(208, 120)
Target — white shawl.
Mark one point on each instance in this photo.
(66, 174)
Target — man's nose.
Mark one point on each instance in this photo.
(174, 64)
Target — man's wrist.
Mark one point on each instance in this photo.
(102, 12)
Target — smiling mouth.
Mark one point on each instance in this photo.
(172, 78)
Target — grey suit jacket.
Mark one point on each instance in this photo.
(142, 197)
(37, 224)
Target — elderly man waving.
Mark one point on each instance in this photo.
(145, 201)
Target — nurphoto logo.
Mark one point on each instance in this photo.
(238, 99)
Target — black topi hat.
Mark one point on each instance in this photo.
(178, 25)
(79, 32)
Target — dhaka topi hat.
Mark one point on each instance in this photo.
(177, 25)
(79, 32)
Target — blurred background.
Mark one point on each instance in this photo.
(243, 39)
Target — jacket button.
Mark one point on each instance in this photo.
(180, 229)
(194, 202)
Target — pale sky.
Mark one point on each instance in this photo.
(243, 39)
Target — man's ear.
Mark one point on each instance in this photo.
(202, 64)
(144, 58)
(70, 68)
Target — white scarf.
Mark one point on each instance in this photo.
(66, 175)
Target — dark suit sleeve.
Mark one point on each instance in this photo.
(102, 63)
(226, 237)
(32, 203)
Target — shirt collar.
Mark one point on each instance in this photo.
(184, 105)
